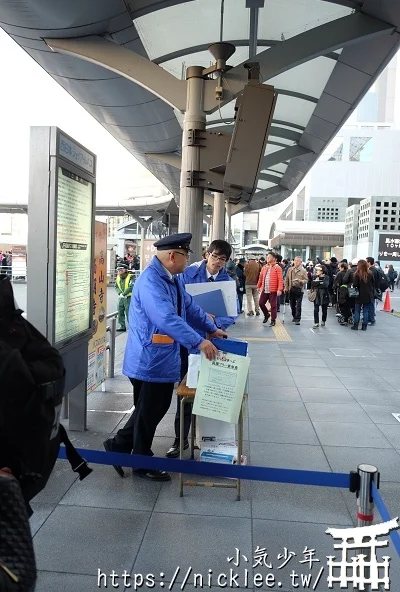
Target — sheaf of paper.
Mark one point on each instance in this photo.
(193, 370)
(212, 433)
(228, 292)
(221, 386)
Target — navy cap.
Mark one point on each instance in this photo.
(122, 266)
(175, 241)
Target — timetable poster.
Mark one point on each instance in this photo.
(73, 256)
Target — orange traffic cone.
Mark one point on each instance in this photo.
(387, 306)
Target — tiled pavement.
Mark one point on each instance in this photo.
(308, 409)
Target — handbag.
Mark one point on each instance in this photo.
(353, 292)
(17, 558)
(312, 295)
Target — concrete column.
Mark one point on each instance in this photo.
(192, 198)
(218, 223)
(307, 253)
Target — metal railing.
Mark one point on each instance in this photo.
(18, 274)
(112, 330)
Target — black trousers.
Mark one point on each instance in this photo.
(152, 401)
(188, 406)
(295, 304)
(324, 312)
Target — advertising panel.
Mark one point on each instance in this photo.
(148, 251)
(97, 345)
(389, 247)
(73, 255)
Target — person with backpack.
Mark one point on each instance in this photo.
(32, 379)
(342, 294)
(363, 280)
(380, 285)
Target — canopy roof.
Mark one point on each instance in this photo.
(321, 56)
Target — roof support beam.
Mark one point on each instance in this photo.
(283, 155)
(271, 178)
(124, 62)
(300, 49)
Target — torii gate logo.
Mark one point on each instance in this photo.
(362, 570)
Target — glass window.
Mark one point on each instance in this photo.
(378, 211)
(334, 151)
(386, 204)
(385, 212)
(361, 149)
(384, 227)
(394, 204)
(377, 219)
(378, 204)
(376, 226)
(392, 228)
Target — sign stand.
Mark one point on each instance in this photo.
(61, 205)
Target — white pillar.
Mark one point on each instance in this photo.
(218, 223)
(192, 198)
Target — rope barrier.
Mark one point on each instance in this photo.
(384, 513)
(253, 473)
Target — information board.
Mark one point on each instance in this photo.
(73, 255)
(389, 247)
(149, 250)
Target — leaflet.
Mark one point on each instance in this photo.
(221, 385)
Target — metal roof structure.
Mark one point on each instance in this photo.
(320, 55)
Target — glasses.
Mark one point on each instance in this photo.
(216, 258)
(184, 254)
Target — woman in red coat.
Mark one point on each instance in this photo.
(271, 285)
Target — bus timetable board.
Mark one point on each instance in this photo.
(61, 224)
(73, 255)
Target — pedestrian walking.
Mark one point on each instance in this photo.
(320, 283)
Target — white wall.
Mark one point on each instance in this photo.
(360, 179)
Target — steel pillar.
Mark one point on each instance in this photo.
(228, 232)
(218, 225)
(192, 198)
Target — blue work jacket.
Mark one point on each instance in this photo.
(154, 309)
(197, 274)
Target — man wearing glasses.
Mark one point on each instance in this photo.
(210, 269)
(161, 316)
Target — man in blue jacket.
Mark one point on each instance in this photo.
(212, 269)
(161, 317)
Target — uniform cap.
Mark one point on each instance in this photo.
(122, 266)
(175, 241)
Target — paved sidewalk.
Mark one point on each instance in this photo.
(319, 400)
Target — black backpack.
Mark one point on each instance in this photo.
(32, 379)
(383, 282)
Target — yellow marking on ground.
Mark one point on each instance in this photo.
(280, 332)
(258, 339)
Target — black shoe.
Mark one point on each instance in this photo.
(173, 452)
(354, 328)
(108, 446)
(258, 314)
(251, 314)
(121, 330)
(363, 327)
(151, 475)
(273, 323)
(297, 322)
(266, 318)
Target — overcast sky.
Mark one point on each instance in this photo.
(29, 96)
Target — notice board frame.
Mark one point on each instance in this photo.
(51, 149)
